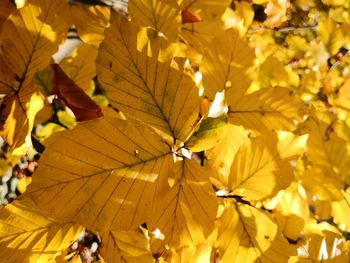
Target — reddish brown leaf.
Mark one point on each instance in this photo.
(75, 98)
(190, 17)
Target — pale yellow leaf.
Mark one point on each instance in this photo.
(189, 203)
(329, 158)
(292, 211)
(263, 166)
(341, 211)
(104, 172)
(144, 88)
(226, 65)
(157, 15)
(247, 234)
(269, 108)
(322, 243)
(221, 156)
(27, 236)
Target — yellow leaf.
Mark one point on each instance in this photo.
(144, 88)
(157, 15)
(90, 22)
(103, 172)
(328, 155)
(330, 34)
(23, 183)
(210, 132)
(80, 65)
(19, 112)
(273, 73)
(207, 9)
(125, 246)
(198, 36)
(226, 65)
(27, 45)
(276, 11)
(323, 243)
(27, 236)
(194, 247)
(221, 156)
(341, 211)
(269, 108)
(263, 166)
(291, 211)
(246, 234)
(190, 202)
(240, 18)
(47, 130)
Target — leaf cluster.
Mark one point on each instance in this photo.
(182, 131)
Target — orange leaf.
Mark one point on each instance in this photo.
(75, 98)
(190, 17)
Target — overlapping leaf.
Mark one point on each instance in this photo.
(247, 234)
(143, 88)
(126, 246)
(27, 236)
(329, 158)
(221, 156)
(27, 45)
(190, 196)
(270, 108)
(226, 65)
(90, 22)
(156, 14)
(80, 65)
(263, 166)
(104, 172)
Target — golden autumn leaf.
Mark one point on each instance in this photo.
(322, 243)
(329, 159)
(80, 65)
(247, 234)
(144, 88)
(28, 236)
(221, 156)
(341, 210)
(194, 246)
(227, 64)
(19, 111)
(99, 165)
(156, 14)
(90, 22)
(291, 210)
(126, 246)
(27, 45)
(263, 166)
(190, 201)
(269, 108)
